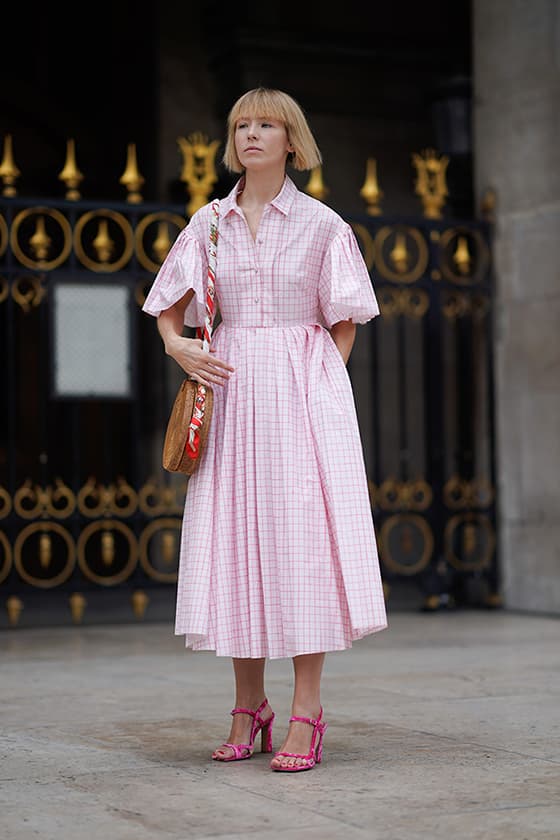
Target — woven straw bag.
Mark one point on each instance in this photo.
(191, 414)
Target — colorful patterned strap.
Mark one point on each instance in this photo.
(193, 436)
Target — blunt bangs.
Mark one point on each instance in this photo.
(274, 105)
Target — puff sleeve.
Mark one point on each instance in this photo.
(184, 268)
(345, 287)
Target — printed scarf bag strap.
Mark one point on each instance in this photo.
(189, 421)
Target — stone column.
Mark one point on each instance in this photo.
(516, 48)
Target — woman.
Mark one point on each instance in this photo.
(285, 561)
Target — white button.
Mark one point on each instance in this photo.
(256, 300)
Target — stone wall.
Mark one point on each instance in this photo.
(517, 152)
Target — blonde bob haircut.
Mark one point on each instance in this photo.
(275, 105)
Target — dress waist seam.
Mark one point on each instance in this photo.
(269, 326)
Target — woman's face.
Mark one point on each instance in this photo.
(261, 143)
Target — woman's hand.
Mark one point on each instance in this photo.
(196, 362)
(188, 352)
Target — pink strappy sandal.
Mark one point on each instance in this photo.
(241, 751)
(315, 753)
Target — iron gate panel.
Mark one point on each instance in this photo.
(90, 522)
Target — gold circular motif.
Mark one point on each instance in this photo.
(122, 223)
(58, 502)
(64, 224)
(4, 236)
(413, 303)
(416, 303)
(31, 494)
(415, 523)
(45, 527)
(155, 498)
(4, 289)
(107, 525)
(28, 291)
(479, 523)
(394, 494)
(5, 502)
(482, 259)
(141, 228)
(124, 498)
(366, 239)
(421, 262)
(61, 501)
(389, 302)
(460, 493)
(97, 494)
(146, 536)
(6, 563)
(455, 304)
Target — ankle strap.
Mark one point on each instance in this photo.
(254, 714)
(310, 721)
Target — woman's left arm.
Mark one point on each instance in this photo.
(343, 334)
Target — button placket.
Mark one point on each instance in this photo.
(257, 242)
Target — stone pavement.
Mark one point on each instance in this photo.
(445, 725)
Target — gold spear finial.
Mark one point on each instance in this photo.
(399, 254)
(103, 244)
(162, 242)
(40, 242)
(71, 175)
(315, 186)
(8, 170)
(139, 603)
(462, 257)
(14, 606)
(370, 191)
(131, 177)
(77, 606)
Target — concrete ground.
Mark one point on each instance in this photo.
(445, 725)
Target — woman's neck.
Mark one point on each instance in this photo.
(260, 188)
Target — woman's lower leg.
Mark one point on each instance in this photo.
(306, 702)
(249, 694)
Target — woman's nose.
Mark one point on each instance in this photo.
(253, 131)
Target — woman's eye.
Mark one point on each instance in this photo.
(242, 125)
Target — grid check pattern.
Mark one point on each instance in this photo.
(278, 550)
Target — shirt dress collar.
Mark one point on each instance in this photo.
(282, 202)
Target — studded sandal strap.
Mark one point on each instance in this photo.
(316, 723)
(238, 749)
(241, 711)
(258, 722)
(257, 719)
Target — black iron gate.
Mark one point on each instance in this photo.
(428, 400)
(90, 522)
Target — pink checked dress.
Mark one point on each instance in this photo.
(278, 555)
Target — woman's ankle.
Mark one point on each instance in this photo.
(250, 701)
(310, 709)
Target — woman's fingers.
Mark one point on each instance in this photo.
(201, 365)
(207, 375)
(220, 363)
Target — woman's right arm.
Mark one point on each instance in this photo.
(188, 352)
